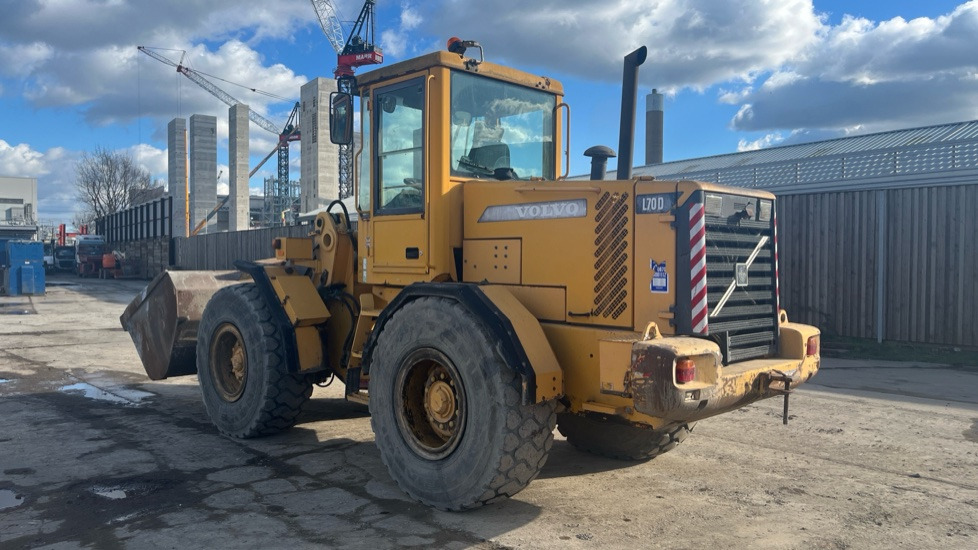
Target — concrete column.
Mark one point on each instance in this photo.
(320, 178)
(176, 156)
(238, 204)
(203, 169)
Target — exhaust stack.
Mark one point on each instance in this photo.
(629, 90)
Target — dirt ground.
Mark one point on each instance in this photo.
(94, 455)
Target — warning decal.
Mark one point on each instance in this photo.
(660, 279)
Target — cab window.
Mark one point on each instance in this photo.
(399, 113)
(501, 130)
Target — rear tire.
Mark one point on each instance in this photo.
(447, 412)
(242, 367)
(615, 439)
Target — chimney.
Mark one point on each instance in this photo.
(653, 128)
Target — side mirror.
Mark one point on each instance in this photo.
(341, 118)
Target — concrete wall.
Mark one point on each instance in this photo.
(320, 158)
(238, 204)
(203, 168)
(176, 155)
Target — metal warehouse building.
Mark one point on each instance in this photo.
(877, 233)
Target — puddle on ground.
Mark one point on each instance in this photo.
(18, 309)
(110, 493)
(122, 396)
(9, 499)
(4, 380)
(127, 489)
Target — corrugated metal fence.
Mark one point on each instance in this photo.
(896, 264)
(220, 250)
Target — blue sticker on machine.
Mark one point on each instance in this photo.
(660, 279)
(654, 203)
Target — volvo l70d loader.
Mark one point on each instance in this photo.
(483, 298)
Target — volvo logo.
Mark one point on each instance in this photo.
(549, 210)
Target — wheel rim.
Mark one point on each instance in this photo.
(229, 363)
(430, 403)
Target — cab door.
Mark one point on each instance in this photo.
(398, 253)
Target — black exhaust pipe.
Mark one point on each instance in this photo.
(629, 89)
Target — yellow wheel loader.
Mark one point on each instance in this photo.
(483, 298)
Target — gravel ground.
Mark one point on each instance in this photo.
(92, 454)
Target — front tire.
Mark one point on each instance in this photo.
(242, 367)
(617, 439)
(447, 411)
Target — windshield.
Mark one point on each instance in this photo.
(501, 130)
(90, 249)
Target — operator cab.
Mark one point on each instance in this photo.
(428, 125)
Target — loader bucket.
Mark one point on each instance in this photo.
(162, 319)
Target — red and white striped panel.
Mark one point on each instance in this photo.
(697, 268)
(777, 277)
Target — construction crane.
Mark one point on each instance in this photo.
(356, 50)
(288, 133)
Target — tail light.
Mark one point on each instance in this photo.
(685, 371)
(812, 348)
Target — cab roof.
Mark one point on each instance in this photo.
(461, 63)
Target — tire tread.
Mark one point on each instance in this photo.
(619, 440)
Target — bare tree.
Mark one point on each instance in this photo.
(107, 181)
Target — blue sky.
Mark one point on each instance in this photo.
(737, 74)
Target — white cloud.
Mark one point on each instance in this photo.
(20, 60)
(410, 18)
(82, 53)
(151, 159)
(874, 77)
(761, 143)
(20, 160)
(692, 43)
(401, 41)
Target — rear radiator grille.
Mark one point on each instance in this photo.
(611, 255)
(745, 327)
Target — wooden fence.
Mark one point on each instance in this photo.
(897, 264)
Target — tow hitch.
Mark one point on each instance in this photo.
(780, 382)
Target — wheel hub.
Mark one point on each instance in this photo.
(441, 405)
(431, 405)
(228, 362)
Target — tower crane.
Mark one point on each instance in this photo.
(288, 133)
(356, 50)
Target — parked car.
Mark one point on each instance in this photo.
(64, 258)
